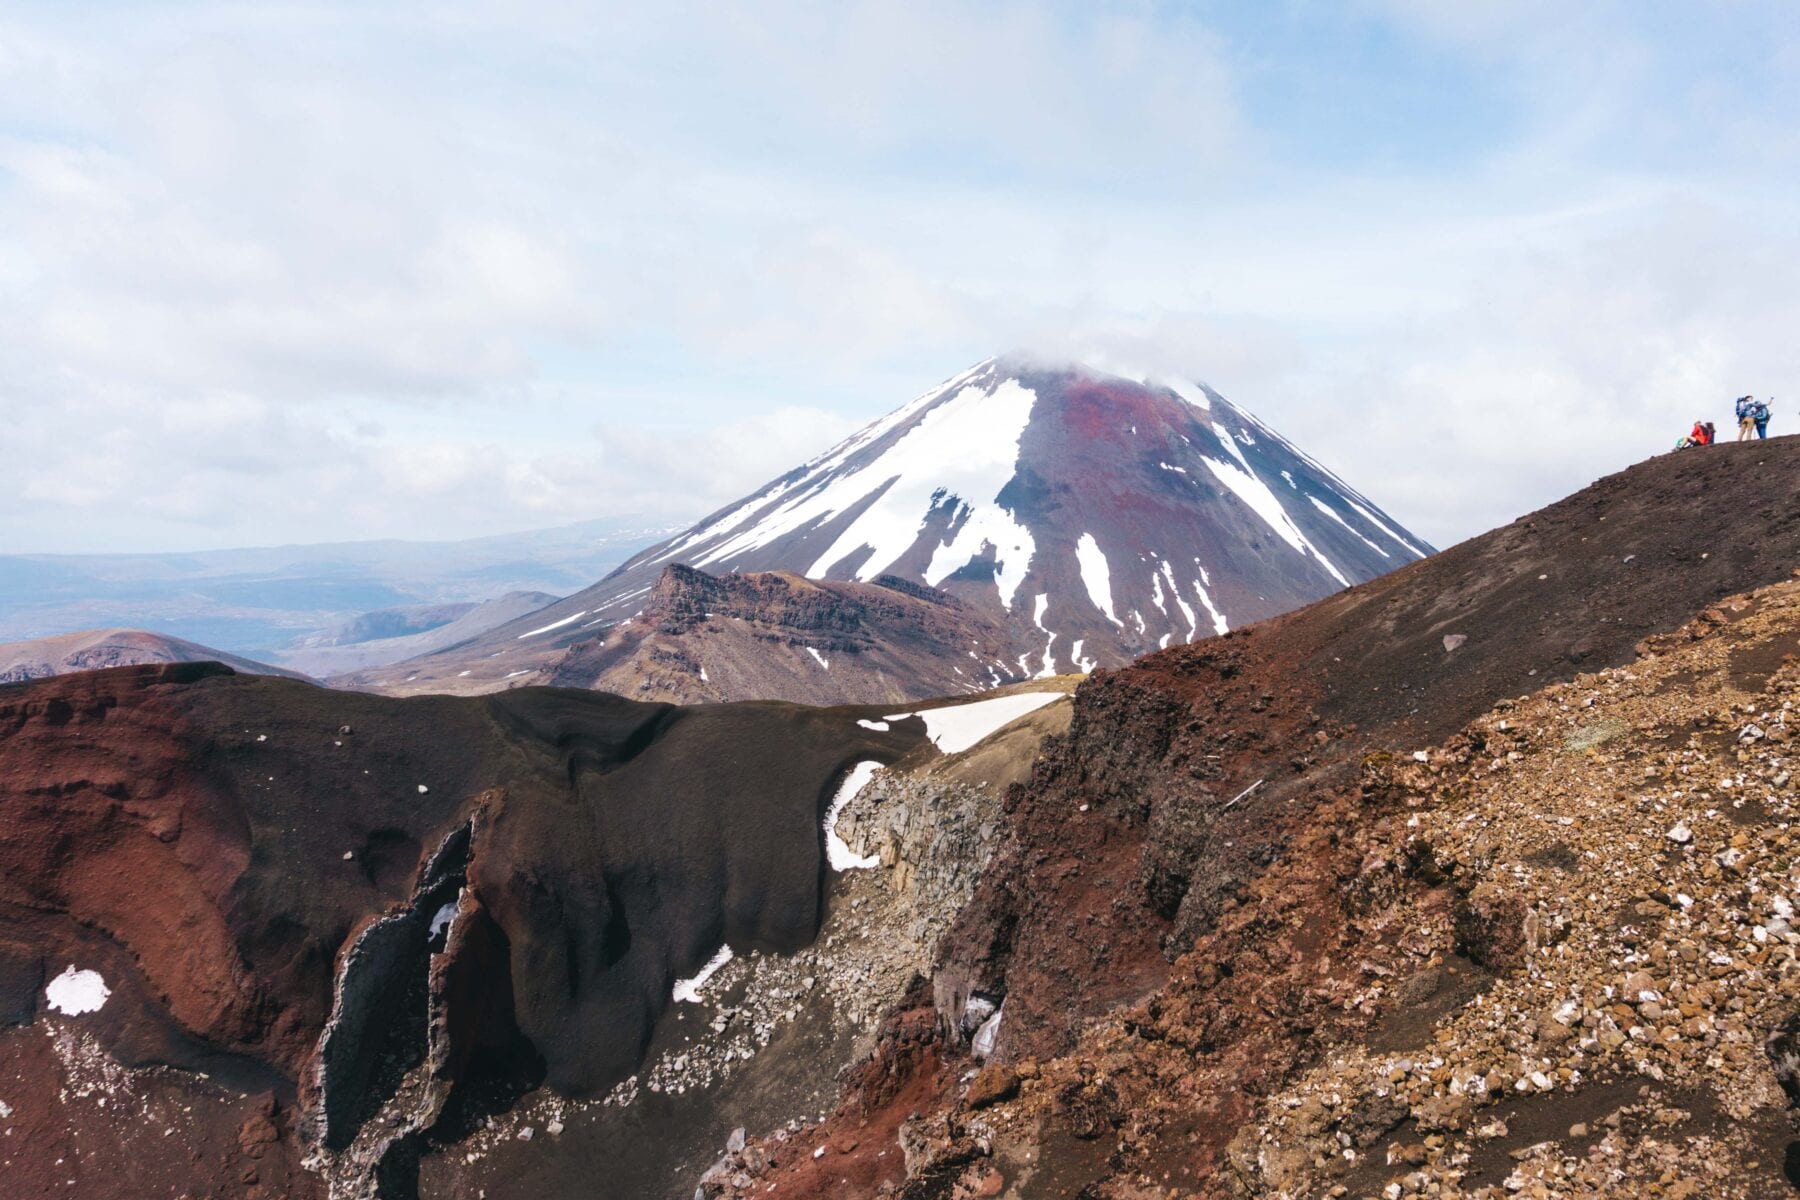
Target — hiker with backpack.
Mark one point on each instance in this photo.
(1700, 435)
(1746, 422)
(1759, 416)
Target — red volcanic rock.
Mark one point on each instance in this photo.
(777, 636)
(991, 1085)
(1197, 868)
(460, 901)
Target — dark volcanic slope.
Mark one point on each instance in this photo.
(773, 636)
(211, 844)
(1169, 740)
(1189, 776)
(1096, 517)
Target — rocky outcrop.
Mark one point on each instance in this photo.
(775, 635)
(935, 836)
(1215, 884)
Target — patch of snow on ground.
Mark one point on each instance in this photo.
(687, 991)
(75, 992)
(440, 920)
(820, 657)
(1187, 391)
(965, 446)
(1187, 610)
(1230, 444)
(1084, 665)
(1037, 610)
(1178, 470)
(1049, 667)
(838, 851)
(955, 728)
(1333, 514)
(1372, 519)
(1096, 576)
(760, 504)
(552, 625)
(877, 726)
(1220, 625)
(1261, 501)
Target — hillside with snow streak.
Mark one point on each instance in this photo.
(1098, 517)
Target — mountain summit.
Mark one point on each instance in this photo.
(1096, 516)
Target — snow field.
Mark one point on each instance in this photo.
(955, 728)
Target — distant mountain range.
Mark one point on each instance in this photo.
(392, 634)
(1090, 516)
(257, 602)
(96, 649)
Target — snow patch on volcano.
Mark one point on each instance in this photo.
(553, 625)
(1096, 576)
(957, 457)
(1334, 515)
(1261, 501)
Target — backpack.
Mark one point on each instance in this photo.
(1743, 407)
(1759, 412)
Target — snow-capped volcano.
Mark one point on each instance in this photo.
(1100, 517)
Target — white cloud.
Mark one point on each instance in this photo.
(326, 271)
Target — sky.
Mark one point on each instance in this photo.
(307, 272)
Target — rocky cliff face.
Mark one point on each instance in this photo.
(1321, 905)
(777, 636)
(339, 944)
(389, 918)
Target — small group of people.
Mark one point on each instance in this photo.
(1752, 419)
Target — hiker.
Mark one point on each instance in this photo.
(1746, 423)
(1759, 413)
(1700, 435)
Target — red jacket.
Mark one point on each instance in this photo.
(1700, 437)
